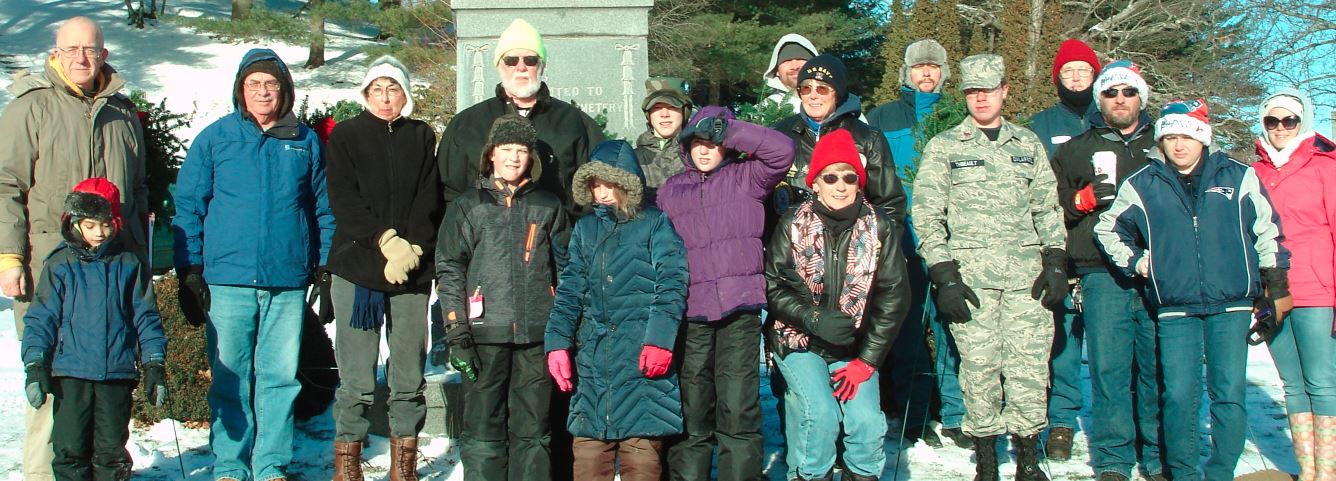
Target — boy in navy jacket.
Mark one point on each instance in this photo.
(93, 314)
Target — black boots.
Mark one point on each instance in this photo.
(1027, 458)
(985, 458)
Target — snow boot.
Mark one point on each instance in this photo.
(1027, 458)
(985, 458)
(403, 459)
(852, 476)
(1059, 445)
(827, 477)
(1111, 476)
(1324, 432)
(957, 436)
(347, 461)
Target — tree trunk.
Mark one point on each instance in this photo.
(240, 9)
(317, 55)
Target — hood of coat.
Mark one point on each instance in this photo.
(25, 81)
(287, 97)
(1305, 118)
(770, 78)
(613, 161)
(387, 66)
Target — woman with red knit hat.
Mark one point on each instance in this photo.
(837, 291)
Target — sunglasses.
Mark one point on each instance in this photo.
(1113, 92)
(530, 60)
(820, 89)
(830, 179)
(1289, 122)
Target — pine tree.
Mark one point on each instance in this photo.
(946, 29)
(893, 53)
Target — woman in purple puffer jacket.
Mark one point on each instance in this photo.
(718, 207)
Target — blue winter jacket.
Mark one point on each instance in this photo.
(1205, 256)
(624, 287)
(250, 204)
(93, 315)
(1058, 124)
(898, 121)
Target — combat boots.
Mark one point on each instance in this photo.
(985, 458)
(347, 461)
(1059, 445)
(403, 459)
(1027, 458)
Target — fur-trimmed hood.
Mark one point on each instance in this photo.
(613, 161)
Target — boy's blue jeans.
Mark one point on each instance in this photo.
(254, 339)
(813, 415)
(1222, 339)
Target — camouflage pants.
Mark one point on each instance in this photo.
(1008, 337)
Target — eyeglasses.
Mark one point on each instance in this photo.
(1076, 73)
(385, 92)
(530, 60)
(830, 179)
(1112, 93)
(820, 89)
(268, 85)
(1289, 122)
(91, 53)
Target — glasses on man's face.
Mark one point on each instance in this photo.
(91, 53)
(392, 91)
(1112, 93)
(1076, 73)
(820, 89)
(848, 178)
(268, 86)
(1289, 122)
(530, 60)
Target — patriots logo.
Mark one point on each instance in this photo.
(1228, 192)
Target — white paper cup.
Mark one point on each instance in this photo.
(1106, 163)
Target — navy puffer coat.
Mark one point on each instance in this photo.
(623, 287)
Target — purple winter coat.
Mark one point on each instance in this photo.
(721, 216)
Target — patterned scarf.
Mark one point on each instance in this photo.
(809, 245)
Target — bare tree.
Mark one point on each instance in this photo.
(1297, 42)
(316, 56)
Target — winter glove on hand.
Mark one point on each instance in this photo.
(323, 280)
(193, 295)
(463, 354)
(1277, 283)
(1103, 190)
(400, 256)
(1050, 288)
(559, 366)
(709, 128)
(847, 379)
(834, 327)
(1265, 323)
(654, 361)
(952, 293)
(38, 383)
(155, 384)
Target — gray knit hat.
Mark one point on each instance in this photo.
(511, 129)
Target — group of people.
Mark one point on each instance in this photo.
(631, 291)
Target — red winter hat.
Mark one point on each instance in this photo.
(1073, 50)
(95, 198)
(836, 148)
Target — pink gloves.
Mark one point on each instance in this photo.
(847, 379)
(559, 366)
(654, 361)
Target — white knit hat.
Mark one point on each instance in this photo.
(387, 66)
(1122, 72)
(1185, 117)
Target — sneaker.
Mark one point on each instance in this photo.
(1059, 447)
(958, 437)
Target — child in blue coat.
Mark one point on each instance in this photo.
(91, 326)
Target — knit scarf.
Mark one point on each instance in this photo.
(368, 309)
(809, 244)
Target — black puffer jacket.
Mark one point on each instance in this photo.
(791, 300)
(382, 175)
(883, 186)
(566, 136)
(509, 249)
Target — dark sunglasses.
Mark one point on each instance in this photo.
(1289, 122)
(830, 179)
(1113, 92)
(820, 89)
(530, 60)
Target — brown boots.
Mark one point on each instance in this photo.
(347, 461)
(403, 458)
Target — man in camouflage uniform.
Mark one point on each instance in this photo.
(986, 212)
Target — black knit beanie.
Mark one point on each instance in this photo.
(829, 69)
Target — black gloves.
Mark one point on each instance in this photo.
(952, 293)
(193, 295)
(709, 128)
(155, 384)
(463, 355)
(1276, 281)
(322, 283)
(1269, 310)
(1265, 323)
(38, 383)
(1104, 191)
(834, 327)
(1050, 288)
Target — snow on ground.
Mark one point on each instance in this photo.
(195, 73)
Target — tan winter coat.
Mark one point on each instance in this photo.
(52, 139)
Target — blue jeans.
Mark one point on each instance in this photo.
(1183, 342)
(1064, 395)
(254, 338)
(1124, 383)
(813, 413)
(952, 410)
(1305, 354)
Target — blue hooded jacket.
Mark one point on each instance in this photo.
(250, 203)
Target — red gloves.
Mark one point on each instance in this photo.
(847, 379)
(1085, 199)
(559, 366)
(654, 361)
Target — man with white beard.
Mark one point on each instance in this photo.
(565, 134)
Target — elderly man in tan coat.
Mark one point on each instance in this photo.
(64, 125)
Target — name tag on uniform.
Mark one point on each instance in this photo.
(1059, 139)
(1022, 159)
(960, 164)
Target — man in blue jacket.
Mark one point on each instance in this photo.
(252, 223)
(1198, 226)
(908, 380)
